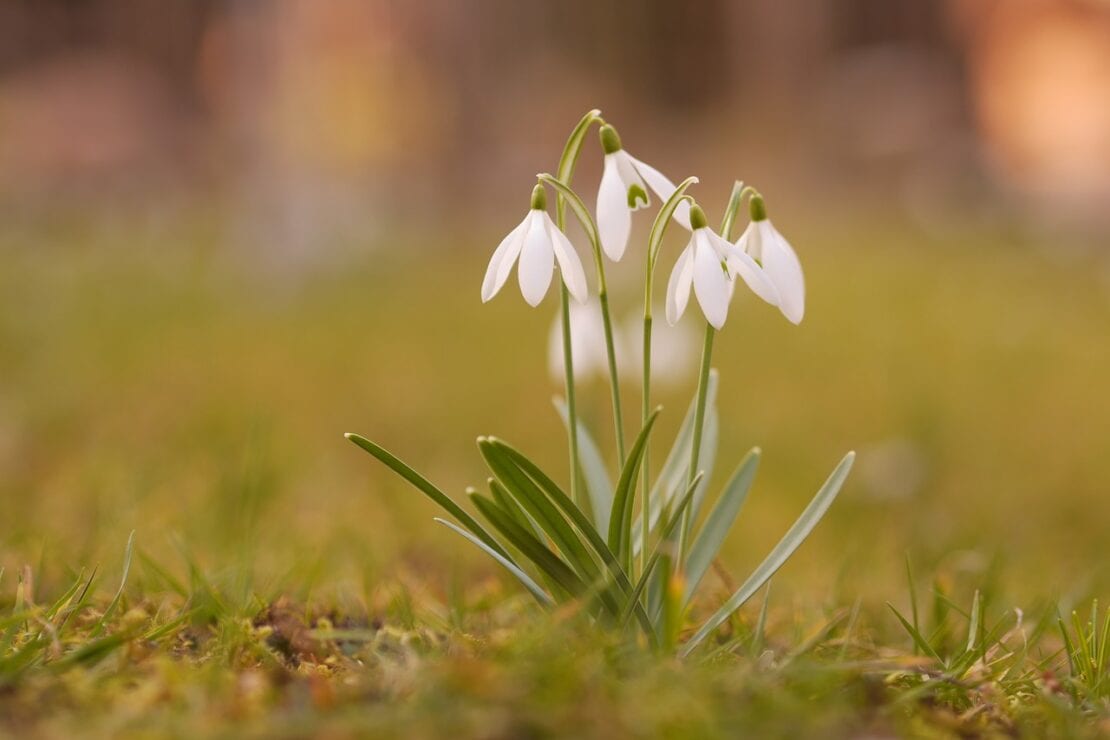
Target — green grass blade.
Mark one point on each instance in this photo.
(973, 625)
(114, 603)
(720, 521)
(91, 653)
(426, 487)
(620, 521)
(913, 597)
(537, 552)
(534, 588)
(783, 550)
(916, 636)
(599, 486)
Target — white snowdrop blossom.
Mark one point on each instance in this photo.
(709, 265)
(538, 244)
(762, 242)
(624, 188)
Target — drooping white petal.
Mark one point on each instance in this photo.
(614, 220)
(569, 263)
(710, 280)
(782, 266)
(664, 188)
(537, 261)
(501, 263)
(626, 168)
(678, 287)
(749, 242)
(739, 263)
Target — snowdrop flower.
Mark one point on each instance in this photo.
(709, 264)
(762, 242)
(539, 244)
(624, 189)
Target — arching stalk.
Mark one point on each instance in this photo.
(567, 162)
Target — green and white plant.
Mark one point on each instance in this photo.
(628, 551)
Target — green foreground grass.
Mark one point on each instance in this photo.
(282, 584)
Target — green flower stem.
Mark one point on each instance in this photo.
(607, 323)
(590, 227)
(645, 472)
(655, 241)
(572, 413)
(567, 162)
(699, 423)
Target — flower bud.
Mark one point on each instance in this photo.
(539, 198)
(610, 140)
(697, 218)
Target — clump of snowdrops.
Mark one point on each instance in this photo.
(628, 551)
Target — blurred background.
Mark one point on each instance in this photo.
(232, 231)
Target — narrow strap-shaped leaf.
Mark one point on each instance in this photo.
(534, 588)
(426, 487)
(661, 545)
(532, 499)
(620, 521)
(783, 550)
(674, 475)
(719, 522)
(506, 501)
(529, 546)
(578, 518)
(598, 485)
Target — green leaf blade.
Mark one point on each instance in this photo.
(720, 521)
(526, 580)
(781, 552)
(429, 489)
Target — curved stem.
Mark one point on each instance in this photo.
(567, 162)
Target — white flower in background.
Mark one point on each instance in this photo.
(763, 243)
(539, 244)
(587, 343)
(674, 349)
(674, 352)
(624, 189)
(709, 264)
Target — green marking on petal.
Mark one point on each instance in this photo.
(637, 193)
